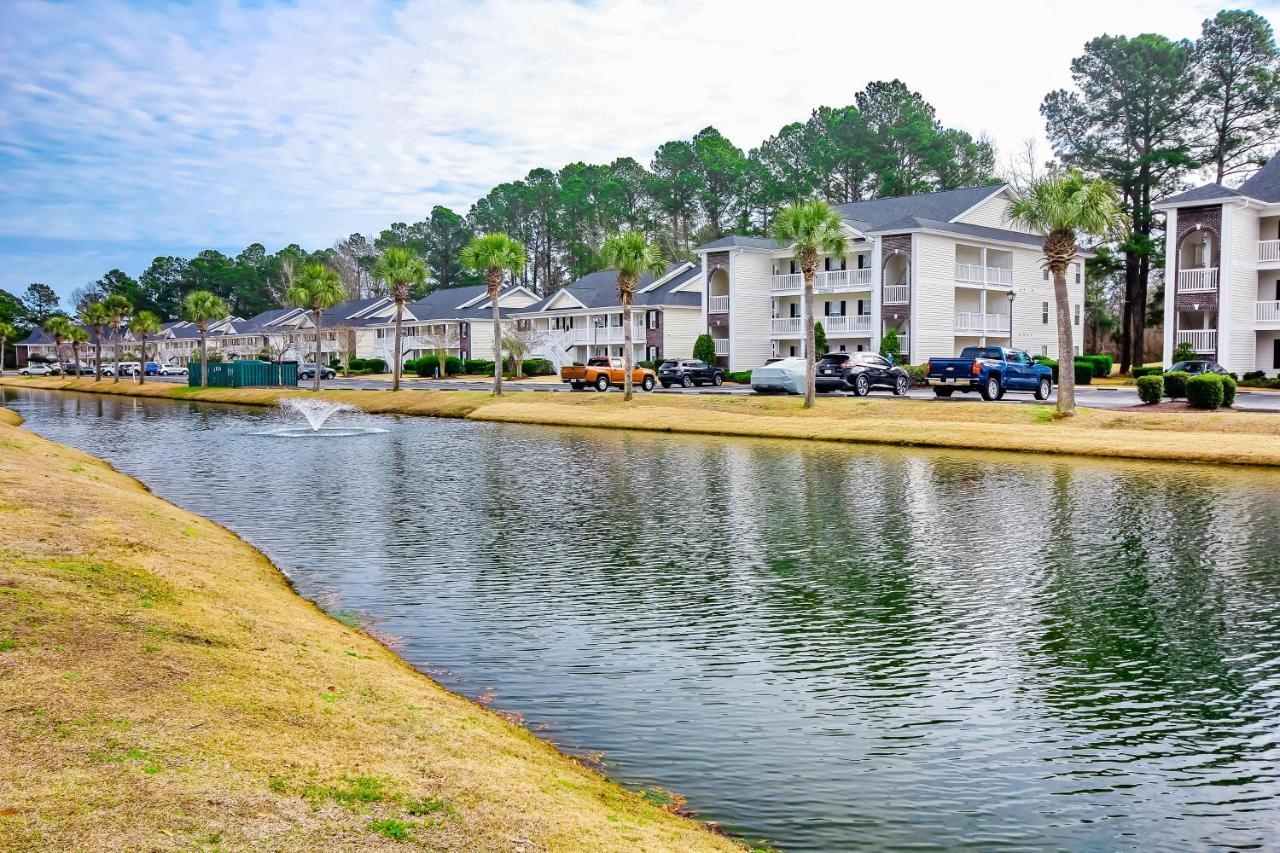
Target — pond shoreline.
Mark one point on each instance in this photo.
(165, 686)
(1236, 438)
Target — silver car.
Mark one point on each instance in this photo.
(782, 376)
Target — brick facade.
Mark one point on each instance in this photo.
(898, 314)
(1190, 221)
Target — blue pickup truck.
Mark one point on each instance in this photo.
(990, 371)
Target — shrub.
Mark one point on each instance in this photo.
(891, 346)
(1084, 373)
(1101, 364)
(1204, 391)
(1228, 391)
(704, 349)
(1184, 352)
(539, 367)
(1254, 374)
(1175, 384)
(820, 345)
(742, 377)
(375, 365)
(355, 364)
(1150, 389)
(333, 362)
(478, 366)
(919, 374)
(1146, 371)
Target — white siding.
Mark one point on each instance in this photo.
(1237, 347)
(751, 310)
(933, 318)
(517, 299)
(482, 339)
(991, 213)
(680, 328)
(1031, 292)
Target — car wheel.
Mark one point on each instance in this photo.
(900, 387)
(862, 385)
(666, 384)
(991, 389)
(1043, 389)
(602, 383)
(717, 380)
(687, 382)
(647, 383)
(576, 386)
(943, 392)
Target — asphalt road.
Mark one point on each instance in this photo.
(1094, 397)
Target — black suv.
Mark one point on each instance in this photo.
(688, 372)
(860, 372)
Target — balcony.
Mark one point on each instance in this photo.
(717, 305)
(1269, 311)
(1201, 340)
(722, 346)
(823, 282)
(1269, 251)
(975, 274)
(897, 294)
(840, 326)
(1203, 280)
(972, 323)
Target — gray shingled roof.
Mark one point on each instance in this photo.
(983, 232)
(1265, 183)
(1207, 192)
(446, 305)
(735, 241)
(940, 206)
(600, 290)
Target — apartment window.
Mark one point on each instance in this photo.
(1045, 273)
(652, 353)
(794, 269)
(1044, 313)
(1077, 349)
(826, 264)
(1076, 319)
(653, 319)
(864, 261)
(844, 263)
(793, 351)
(1044, 350)
(615, 320)
(842, 349)
(1076, 268)
(795, 309)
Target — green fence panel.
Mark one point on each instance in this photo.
(245, 374)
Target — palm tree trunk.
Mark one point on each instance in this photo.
(204, 360)
(142, 365)
(97, 353)
(627, 354)
(395, 369)
(319, 355)
(115, 348)
(75, 356)
(2, 343)
(810, 362)
(1066, 351)
(495, 284)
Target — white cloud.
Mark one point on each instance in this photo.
(222, 124)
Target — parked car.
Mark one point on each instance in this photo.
(172, 370)
(39, 369)
(1198, 366)
(152, 368)
(990, 371)
(689, 372)
(129, 368)
(603, 371)
(308, 371)
(786, 375)
(860, 372)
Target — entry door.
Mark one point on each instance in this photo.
(1275, 361)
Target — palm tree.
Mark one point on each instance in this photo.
(145, 324)
(199, 307)
(1060, 205)
(7, 333)
(401, 269)
(316, 287)
(812, 228)
(95, 317)
(632, 255)
(493, 254)
(77, 337)
(118, 309)
(61, 329)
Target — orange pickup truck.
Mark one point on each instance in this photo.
(601, 372)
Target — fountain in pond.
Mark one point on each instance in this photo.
(317, 413)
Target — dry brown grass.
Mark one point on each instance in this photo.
(161, 687)
(1217, 437)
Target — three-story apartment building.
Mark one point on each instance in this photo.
(1223, 272)
(945, 270)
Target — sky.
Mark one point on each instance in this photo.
(135, 129)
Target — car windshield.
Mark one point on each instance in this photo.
(982, 352)
(598, 362)
(667, 364)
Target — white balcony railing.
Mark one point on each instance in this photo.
(1201, 340)
(717, 305)
(1198, 280)
(1269, 250)
(722, 346)
(823, 282)
(849, 324)
(595, 335)
(897, 294)
(788, 326)
(977, 274)
(977, 323)
(1269, 312)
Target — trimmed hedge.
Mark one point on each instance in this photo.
(1204, 391)
(537, 367)
(1228, 391)
(1262, 382)
(1150, 389)
(427, 365)
(1175, 384)
(1101, 364)
(1084, 373)
(919, 374)
(1138, 372)
(1083, 369)
(476, 365)
(742, 377)
(1254, 374)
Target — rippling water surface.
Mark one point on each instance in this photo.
(820, 646)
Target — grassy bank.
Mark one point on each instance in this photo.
(161, 687)
(1218, 437)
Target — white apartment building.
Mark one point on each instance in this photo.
(1223, 267)
(584, 319)
(458, 320)
(946, 270)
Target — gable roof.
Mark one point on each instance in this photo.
(737, 241)
(600, 290)
(943, 206)
(1265, 183)
(1207, 192)
(963, 229)
(458, 303)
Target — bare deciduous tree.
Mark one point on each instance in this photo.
(518, 340)
(440, 339)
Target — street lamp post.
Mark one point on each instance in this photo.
(1011, 318)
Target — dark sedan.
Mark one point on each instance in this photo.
(860, 372)
(308, 371)
(689, 372)
(1198, 366)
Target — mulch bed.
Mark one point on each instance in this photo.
(1175, 406)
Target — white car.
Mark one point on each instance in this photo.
(785, 375)
(172, 370)
(38, 370)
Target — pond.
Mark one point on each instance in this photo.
(823, 646)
